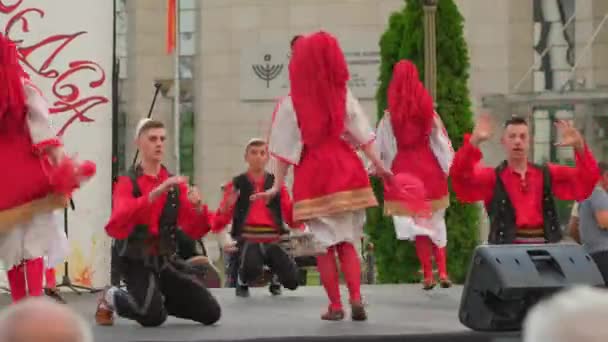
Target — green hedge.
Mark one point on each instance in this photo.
(404, 39)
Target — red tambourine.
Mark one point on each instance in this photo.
(410, 192)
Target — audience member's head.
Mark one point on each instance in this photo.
(577, 315)
(42, 320)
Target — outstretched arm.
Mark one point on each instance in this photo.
(43, 136)
(127, 211)
(574, 183)
(385, 141)
(362, 135)
(471, 181)
(224, 213)
(193, 217)
(287, 209)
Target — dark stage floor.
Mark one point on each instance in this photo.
(393, 310)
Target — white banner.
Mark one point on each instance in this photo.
(66, 48)
(265, 70)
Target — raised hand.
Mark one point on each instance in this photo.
(570, 136)
(230, 247)
(173, 181)
(231, 199)
(266, 195)
(166, 186)
(194, 196)
(483, 129)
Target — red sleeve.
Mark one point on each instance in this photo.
(196, 223)
(287, 209)
(222, 218)
(575, 183)
(127, 211)
(471, 181)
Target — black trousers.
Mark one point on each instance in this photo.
(116, 273)
(161, 287)
(601, 260)
(253, 256)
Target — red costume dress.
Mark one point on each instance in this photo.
(412, 131)
(474, 182)
(315, 130)
(32, 186)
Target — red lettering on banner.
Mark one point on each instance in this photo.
(69, 97)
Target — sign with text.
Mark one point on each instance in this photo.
(66, 48)
(265, 70)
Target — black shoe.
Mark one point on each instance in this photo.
(242, 291)
(275, 289)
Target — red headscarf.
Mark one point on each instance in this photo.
(12, 95)
(410, 106)
(318, 76)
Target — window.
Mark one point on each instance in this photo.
(544, 150)
(186, 141)
(187, 51)
(187, 44)
(553, 43)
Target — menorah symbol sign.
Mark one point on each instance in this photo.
(267, 72)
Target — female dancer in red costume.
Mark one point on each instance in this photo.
(315, 130)
(411, 131)
(36, 178)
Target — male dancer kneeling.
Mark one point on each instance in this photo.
(149, 206)
(257, 226)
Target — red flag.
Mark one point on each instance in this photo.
(171, 27)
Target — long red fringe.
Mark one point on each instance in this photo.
(318, 77)
(12, 94)
(410, 105)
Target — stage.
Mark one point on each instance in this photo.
(396, 313)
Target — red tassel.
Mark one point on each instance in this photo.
(12, 94)
(67, 176)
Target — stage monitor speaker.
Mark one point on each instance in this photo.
(505, 281)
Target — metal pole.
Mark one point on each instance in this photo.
(176, 98)
(430, 50)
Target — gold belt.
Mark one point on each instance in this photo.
(9, 218)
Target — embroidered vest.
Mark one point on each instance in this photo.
(503, 227)
(242, 184)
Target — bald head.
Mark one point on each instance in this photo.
(578, 314)
(42, 320)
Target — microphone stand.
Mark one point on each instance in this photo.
(66, 281)
(115, 272)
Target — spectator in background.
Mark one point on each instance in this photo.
(593, 224)
(576, 315)
(40, 320)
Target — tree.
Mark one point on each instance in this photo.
(404, 39)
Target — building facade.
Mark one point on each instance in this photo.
(233, 65)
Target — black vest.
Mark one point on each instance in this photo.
(503, 227)
(242, 184)
(140, 243)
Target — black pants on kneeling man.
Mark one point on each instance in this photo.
(253, 257)
(158, 287)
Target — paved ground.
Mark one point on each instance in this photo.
(393, 309)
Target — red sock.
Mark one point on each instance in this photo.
(328, 272)
(34, 271)
(441, 260)
(16, 281)
(51, 279)
(424, 250)
(351, 268)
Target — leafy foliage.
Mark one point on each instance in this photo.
(404, 39)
